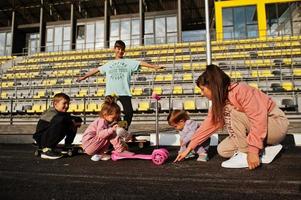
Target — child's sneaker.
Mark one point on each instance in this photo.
(103, 157)
(48, 153)
(203, 157)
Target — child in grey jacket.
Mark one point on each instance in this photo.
(180, 120)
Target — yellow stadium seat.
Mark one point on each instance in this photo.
(100, 92)
(158, 90)
(72, 107)
(82, 93)
(137, 91)
(80, 108)
(177, 89)
(3, 108)
(67, 81)
(143, 106)
(187, 77)
(100, 80)
(197, 90)
(39, 94)
(288, 86)
(186, 66)
(37, 108)
(255, 85)
(168, 77)
(267, 73)
(189, 105)
(159, 77)
(92, 107)
(4, 95)
(297, 72)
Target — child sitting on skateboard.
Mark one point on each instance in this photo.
(55, 124)
(179, 120)
(105, 131)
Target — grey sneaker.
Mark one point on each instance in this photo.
(48, 153)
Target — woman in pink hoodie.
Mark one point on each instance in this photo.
(99, 134)
(251, 118)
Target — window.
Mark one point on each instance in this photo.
(240, 22)
(282, 19)
(160, 30)
(5, 43)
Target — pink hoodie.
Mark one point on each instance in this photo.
(251, 101)
(96, 133)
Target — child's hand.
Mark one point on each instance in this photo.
(114, 128)
(253, 160)
(79, 79)
(159, 67)
(182, 155)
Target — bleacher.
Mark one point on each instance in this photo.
(272, 65)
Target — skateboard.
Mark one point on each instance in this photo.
(158, 156)
(70, 151)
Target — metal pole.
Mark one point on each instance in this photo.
(157, 124)
(179, 21)
(106, 24)
(208, 44)
(141, 17)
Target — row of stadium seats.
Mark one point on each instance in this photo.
(139, 105)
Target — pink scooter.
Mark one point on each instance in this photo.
(159, 156)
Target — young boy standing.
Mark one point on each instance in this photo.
(118, 77)
(55, 124)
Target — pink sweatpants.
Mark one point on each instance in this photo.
(100, 145)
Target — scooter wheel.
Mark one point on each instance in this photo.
(70, 152)
(159, 156)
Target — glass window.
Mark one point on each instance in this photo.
(149, 26)
(2, 44)
(160, 30)
(115, 29)
(240, 22)
(90, 36)
(67, 33)
(149, 39)
(8, 39)
(49, 34)
(125, 32)
(81, 32)
(58, 38)
(227, 17)
(99, 34)
(280, 18)
(136, 26)
(171, 24)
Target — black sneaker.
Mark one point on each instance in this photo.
(48, 153)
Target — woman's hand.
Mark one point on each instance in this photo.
(253, 160)
(182, 155)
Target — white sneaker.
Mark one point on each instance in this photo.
(238, 160)
(270, 153)
(103, 157)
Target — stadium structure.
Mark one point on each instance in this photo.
(45, 45)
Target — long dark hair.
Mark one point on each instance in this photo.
(218, 82)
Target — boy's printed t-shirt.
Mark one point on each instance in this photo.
(118, 76)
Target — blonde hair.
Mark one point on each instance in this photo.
(110, 106)
(177, 115)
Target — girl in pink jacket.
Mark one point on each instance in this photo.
(251, 118)
(100, 134)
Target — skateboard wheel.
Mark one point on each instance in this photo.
(36, 153)
(70, 153)
(80, 151)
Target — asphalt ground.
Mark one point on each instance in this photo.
(24, 176)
